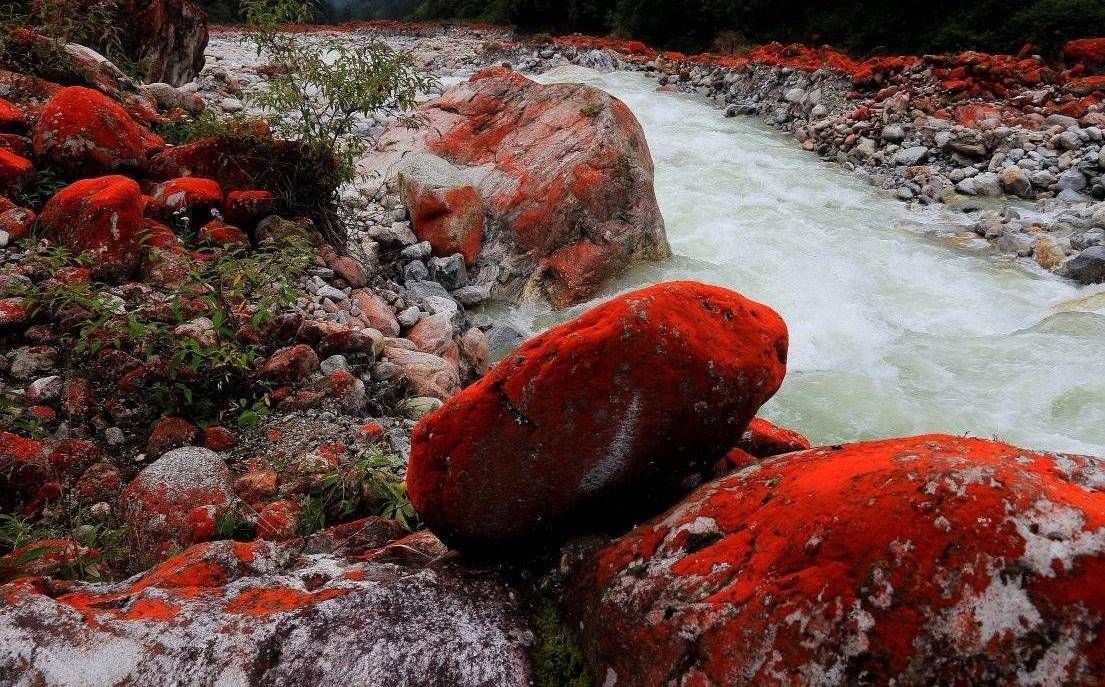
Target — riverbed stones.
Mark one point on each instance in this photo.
(1088, 267)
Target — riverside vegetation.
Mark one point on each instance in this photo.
(252, 432)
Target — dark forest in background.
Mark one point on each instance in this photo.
(696, 25)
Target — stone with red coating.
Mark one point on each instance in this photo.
(23, 468)
(156, 503)
(12, 118)
(246, 208)
(278, 521)
(193, 197)
(16, 173)
(100, 482)
(101, 216)
(605, 417)
(219, 233)
(13, 312)
(169, 433)
(83, 133)
(920, 561)
(218, 438)
(762, 439)
(1089, 52)
(445, 209)
(15, 220)
(327, 609)
(290, 364)
(376, 312)
(48, 557)
(561, 169)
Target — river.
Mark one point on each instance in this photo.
(895, 327)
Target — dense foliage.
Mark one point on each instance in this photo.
(693, 25)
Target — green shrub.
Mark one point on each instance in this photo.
(367, 485)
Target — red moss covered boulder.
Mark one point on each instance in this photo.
(762, 439)
(82, 133)
(101, 216)
(162, 505)
(608, 416)
(11, 117)
(16, 173)
(246, 208)
(1089, 52)
(191, 197)
(560, 167)
(920, 561)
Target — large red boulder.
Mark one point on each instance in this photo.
(1089, 52)
(601, 418)
(101, 216)
(932, 560)
(345, 607)
(191, 197)
(563, 169)
(82, 132)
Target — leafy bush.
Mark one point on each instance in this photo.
(367, 485)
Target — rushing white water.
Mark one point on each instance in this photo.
(895, 328)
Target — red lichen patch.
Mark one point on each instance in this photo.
(577, 271)
(927, 560)
(763, 439)
(266, 601)
(101, 216)
(16, 221)
(72, 456)
(82, 132)
(192, 197)
(452, 220)
(23, 468)
(16, 173)
(151, 608)
(603, 415)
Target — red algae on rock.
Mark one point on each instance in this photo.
(919, 561)
(605, 415)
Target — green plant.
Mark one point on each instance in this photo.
(318, 91)
(368, 484)
(591, 110)
(557, 658)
